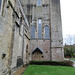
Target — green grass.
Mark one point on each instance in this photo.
(49, 70)
(72, 59)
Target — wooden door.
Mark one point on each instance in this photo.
(37, 55)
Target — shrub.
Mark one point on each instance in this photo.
(54, 63)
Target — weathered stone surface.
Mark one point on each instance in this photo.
(41, 44)
(16, 44)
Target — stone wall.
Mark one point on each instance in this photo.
(21, 37)
(7, 33)
(13, 36)
(16, 19)
(56, 31)
(41, 44)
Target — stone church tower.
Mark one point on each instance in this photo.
(44, 17)
(29, 30)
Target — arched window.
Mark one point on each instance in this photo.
(38, 2)
(39, 28)
(47, 33)
(32, 31)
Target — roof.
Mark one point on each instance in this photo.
(37, 48)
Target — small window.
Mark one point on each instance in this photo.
(39, 28)
(42, 56)
(38, 2)
(47, 33)
(32, 31)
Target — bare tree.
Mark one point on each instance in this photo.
(69, 47)
(69, 40)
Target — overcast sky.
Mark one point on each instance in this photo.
(68, 17)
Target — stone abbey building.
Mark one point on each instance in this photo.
(29, 30)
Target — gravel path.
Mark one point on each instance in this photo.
(72, 61)
(19, 71)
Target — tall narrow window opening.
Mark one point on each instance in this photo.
(39, 28)
(32, 31)
(0, 4)
(47, 34)
(38, 2)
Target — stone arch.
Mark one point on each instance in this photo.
(37, 54)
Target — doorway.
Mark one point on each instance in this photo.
(37, 54)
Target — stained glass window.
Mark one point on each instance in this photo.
(32, 31)
(47, 33)
(39, 28)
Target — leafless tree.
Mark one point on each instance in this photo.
(69, 40)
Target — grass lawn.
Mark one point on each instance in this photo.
(49, 70)
(72, 59)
